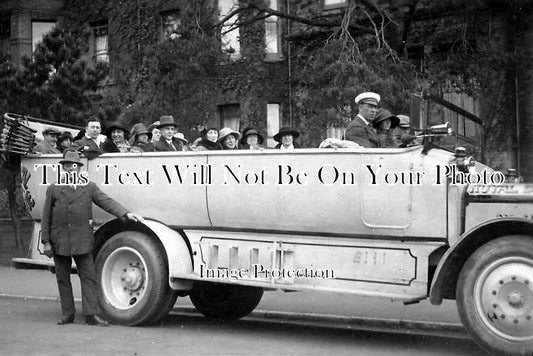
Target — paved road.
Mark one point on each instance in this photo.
(27, 327)
(41, 284)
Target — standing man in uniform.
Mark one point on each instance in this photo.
(67, 233)
(360, 129)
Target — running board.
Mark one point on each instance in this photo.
(405, 298)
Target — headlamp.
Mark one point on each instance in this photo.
(464, 163)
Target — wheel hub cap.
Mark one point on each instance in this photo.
(132, 278)
(124, 278)
(504, 297)
(516, 299)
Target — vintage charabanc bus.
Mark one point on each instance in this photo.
(222, 227)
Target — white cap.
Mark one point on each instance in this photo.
(405, 121)
(367, 97)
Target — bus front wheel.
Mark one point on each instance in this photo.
(132, 271)
(495, 295)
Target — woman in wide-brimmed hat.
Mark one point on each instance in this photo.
(184, 142)
(64, 141)
(286, 137)
(384, 123)
(251, 139)
(208, 141)
(117, 138)
(228, 139)
(156, 133)
(140, 139)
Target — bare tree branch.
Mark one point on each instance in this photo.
(245, 23)
(230, 15)
(303, 20)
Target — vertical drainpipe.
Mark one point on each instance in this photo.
(289, 62)
(517, 115)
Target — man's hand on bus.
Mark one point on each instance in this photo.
(134, 217)
(47, 249)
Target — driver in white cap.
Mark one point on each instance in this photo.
(360, 129)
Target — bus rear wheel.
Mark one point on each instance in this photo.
(225, 301)
(495, 295)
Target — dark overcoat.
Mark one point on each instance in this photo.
(278, 146)
(84, 142)
(67, 213)
(109, 146)
(362, 134)
(44, 147)
(163, 145)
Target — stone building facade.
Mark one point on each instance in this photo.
(268, 104)
(22, 24)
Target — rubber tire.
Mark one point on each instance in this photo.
(158, 298)
(519, 246)
(225, 301)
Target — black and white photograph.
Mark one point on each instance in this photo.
(266, 177)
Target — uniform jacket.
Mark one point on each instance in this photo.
(66, 217)
(362, 134)
(45, 147)
(162, 145)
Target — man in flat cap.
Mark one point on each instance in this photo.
(360, 129)
(49, 144)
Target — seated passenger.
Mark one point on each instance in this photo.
(140, 139)
(227, 139)
(208, 140)
(251, 139)
(65, 141)
(156, 133)
(117, 137)
(286, 137)
(184, 142)
(88, 142)
(49, 143)
(384, 123)
(360, 129)
(168, 142)
(404, 135)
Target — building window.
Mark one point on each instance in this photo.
(334, 131)
(334, 4)
(273, 123)
(5, 35)
(38, 30)
(230, 116)
(170, 25)
(461, 125)
(272, 34)
(229, 36)
(100, 49)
